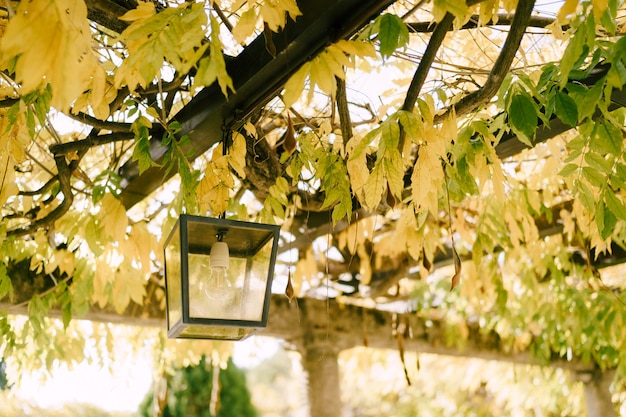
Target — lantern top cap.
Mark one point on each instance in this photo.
(243, 238)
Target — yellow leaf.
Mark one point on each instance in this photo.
(113, 217)
(250, 129)
(144, 10)
(358, 172)
(144, 244)
(599, 7)
(245, 26)
(515, 233)
(214, 188)
(337, 60)
(374, 188)
(129, 285)
(322, 75)
(52, 43)
(306, 270)
(357, 48)
(568, 7)
(62, 259)
(8, 187)
(295, 85)
(407, 234)
(428, 176)
(275, 13)
(214, 66)
(14, 138)
(497, 175)
(104, 275)
(237, 154)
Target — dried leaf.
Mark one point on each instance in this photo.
(289, 291)
(289, 143)
(269, 42)
(425, 261)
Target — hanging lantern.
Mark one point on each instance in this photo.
(218, 277)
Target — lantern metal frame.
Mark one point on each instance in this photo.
(196, 235)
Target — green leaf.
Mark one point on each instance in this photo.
(523, 116)
(566, 109)
(605, 220)
(141, 154)
(588, 100)
(456, 7)
(617, 74)
(6, 286)
(568, 170)
(412, 125)
(596, 161)
(607, 138)
(364, 142)
(594, 177)
(572, 52)
(393, 34)
(336, 184)
(465, 177)
(585, 195)
(390, 137)
(620, 170)
(615, 205)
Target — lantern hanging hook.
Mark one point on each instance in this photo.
(225, 146)
(220, 234)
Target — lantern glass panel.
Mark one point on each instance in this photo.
(237, 295)
(173, 273)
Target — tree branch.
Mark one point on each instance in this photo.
(503, 19)
(500, 67)
(100, 124)
(64, 175)
(89, 142)
(344, 112)
(428, 58)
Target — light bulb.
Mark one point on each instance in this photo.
(217, 286)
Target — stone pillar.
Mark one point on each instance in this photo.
(598, 395)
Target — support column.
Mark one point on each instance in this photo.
(598, 396)
(322, 338)
(320, 360)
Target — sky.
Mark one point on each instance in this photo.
(124, 386)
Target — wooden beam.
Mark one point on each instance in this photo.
(348, 326)
(257, 77)
(106, 13)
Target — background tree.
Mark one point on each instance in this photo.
(191, 392)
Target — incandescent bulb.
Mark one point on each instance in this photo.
(217, 286)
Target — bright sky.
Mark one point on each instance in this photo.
(90, 384)
(125, 388)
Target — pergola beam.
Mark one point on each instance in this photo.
(347, 326)
(257, 77)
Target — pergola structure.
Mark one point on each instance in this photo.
(259, 71)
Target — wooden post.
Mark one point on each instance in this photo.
(598, 392)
